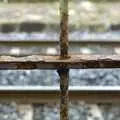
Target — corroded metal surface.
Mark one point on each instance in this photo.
(54, 62)
(64, 28)
(62, 71)
(64, 93)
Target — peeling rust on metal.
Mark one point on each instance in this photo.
(64, 93)
(54, 62)
(62, 68)
(64, 29)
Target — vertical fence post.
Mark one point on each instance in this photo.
(64, 93)
(64, 73)
(64, 28)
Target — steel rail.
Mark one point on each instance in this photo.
(90, 40)
(38, 94)
(55, 42)
(30, 88)
(42, 46)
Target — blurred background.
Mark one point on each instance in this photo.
(94, 28)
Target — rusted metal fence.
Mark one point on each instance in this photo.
(62, 63)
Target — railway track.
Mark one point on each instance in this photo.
(30, 94)
(38, 94)
(29, 47)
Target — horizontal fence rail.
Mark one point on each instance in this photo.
(55, 62)
(45, 94)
